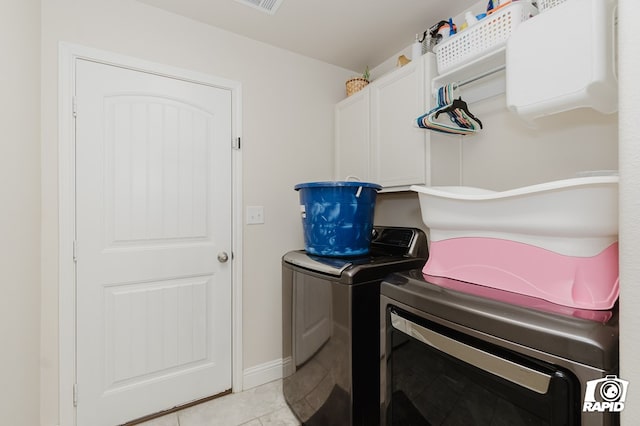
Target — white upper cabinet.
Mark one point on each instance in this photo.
(377, 138)
(398, 147)
(352, 148)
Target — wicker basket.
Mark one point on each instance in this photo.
(355, 85)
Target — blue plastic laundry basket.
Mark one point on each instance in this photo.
(337, 217)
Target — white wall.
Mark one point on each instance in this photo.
(398, 209)
(508, 154)
(20, 212)
(287, 138)
(629, 205)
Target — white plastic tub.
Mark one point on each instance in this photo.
(556, 240)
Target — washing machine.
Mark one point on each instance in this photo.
(331, 333)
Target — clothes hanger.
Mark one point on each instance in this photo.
(462, 105)
(457, 110)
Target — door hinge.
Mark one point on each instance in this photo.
(75, 394)
(236, 143)
(75, 107)
(75, 250)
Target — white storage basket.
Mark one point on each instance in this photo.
(488, 34)
(548, 4)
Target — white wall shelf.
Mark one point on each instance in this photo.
(468, 76)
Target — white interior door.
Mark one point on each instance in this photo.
(153, 211)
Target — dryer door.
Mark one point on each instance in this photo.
(441, 376)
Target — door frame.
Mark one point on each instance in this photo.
(68, 54)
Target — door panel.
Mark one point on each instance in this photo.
(399, 150)
(163, 324)
(352, 137)
(153, 200)
(157, 191)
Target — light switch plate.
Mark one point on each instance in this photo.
(255, 215)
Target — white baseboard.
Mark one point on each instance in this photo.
(287, 367)
(265, 373)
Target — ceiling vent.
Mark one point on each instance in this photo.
(267, 6)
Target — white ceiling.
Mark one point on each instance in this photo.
(352, 34)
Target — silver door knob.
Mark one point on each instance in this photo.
(223, 257)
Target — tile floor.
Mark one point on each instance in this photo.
(261, 406)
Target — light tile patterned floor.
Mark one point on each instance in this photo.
(261, 406)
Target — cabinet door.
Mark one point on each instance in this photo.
(399, 154)
(352, 154)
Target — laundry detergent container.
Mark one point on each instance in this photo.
(337, 217)
(556, 241)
